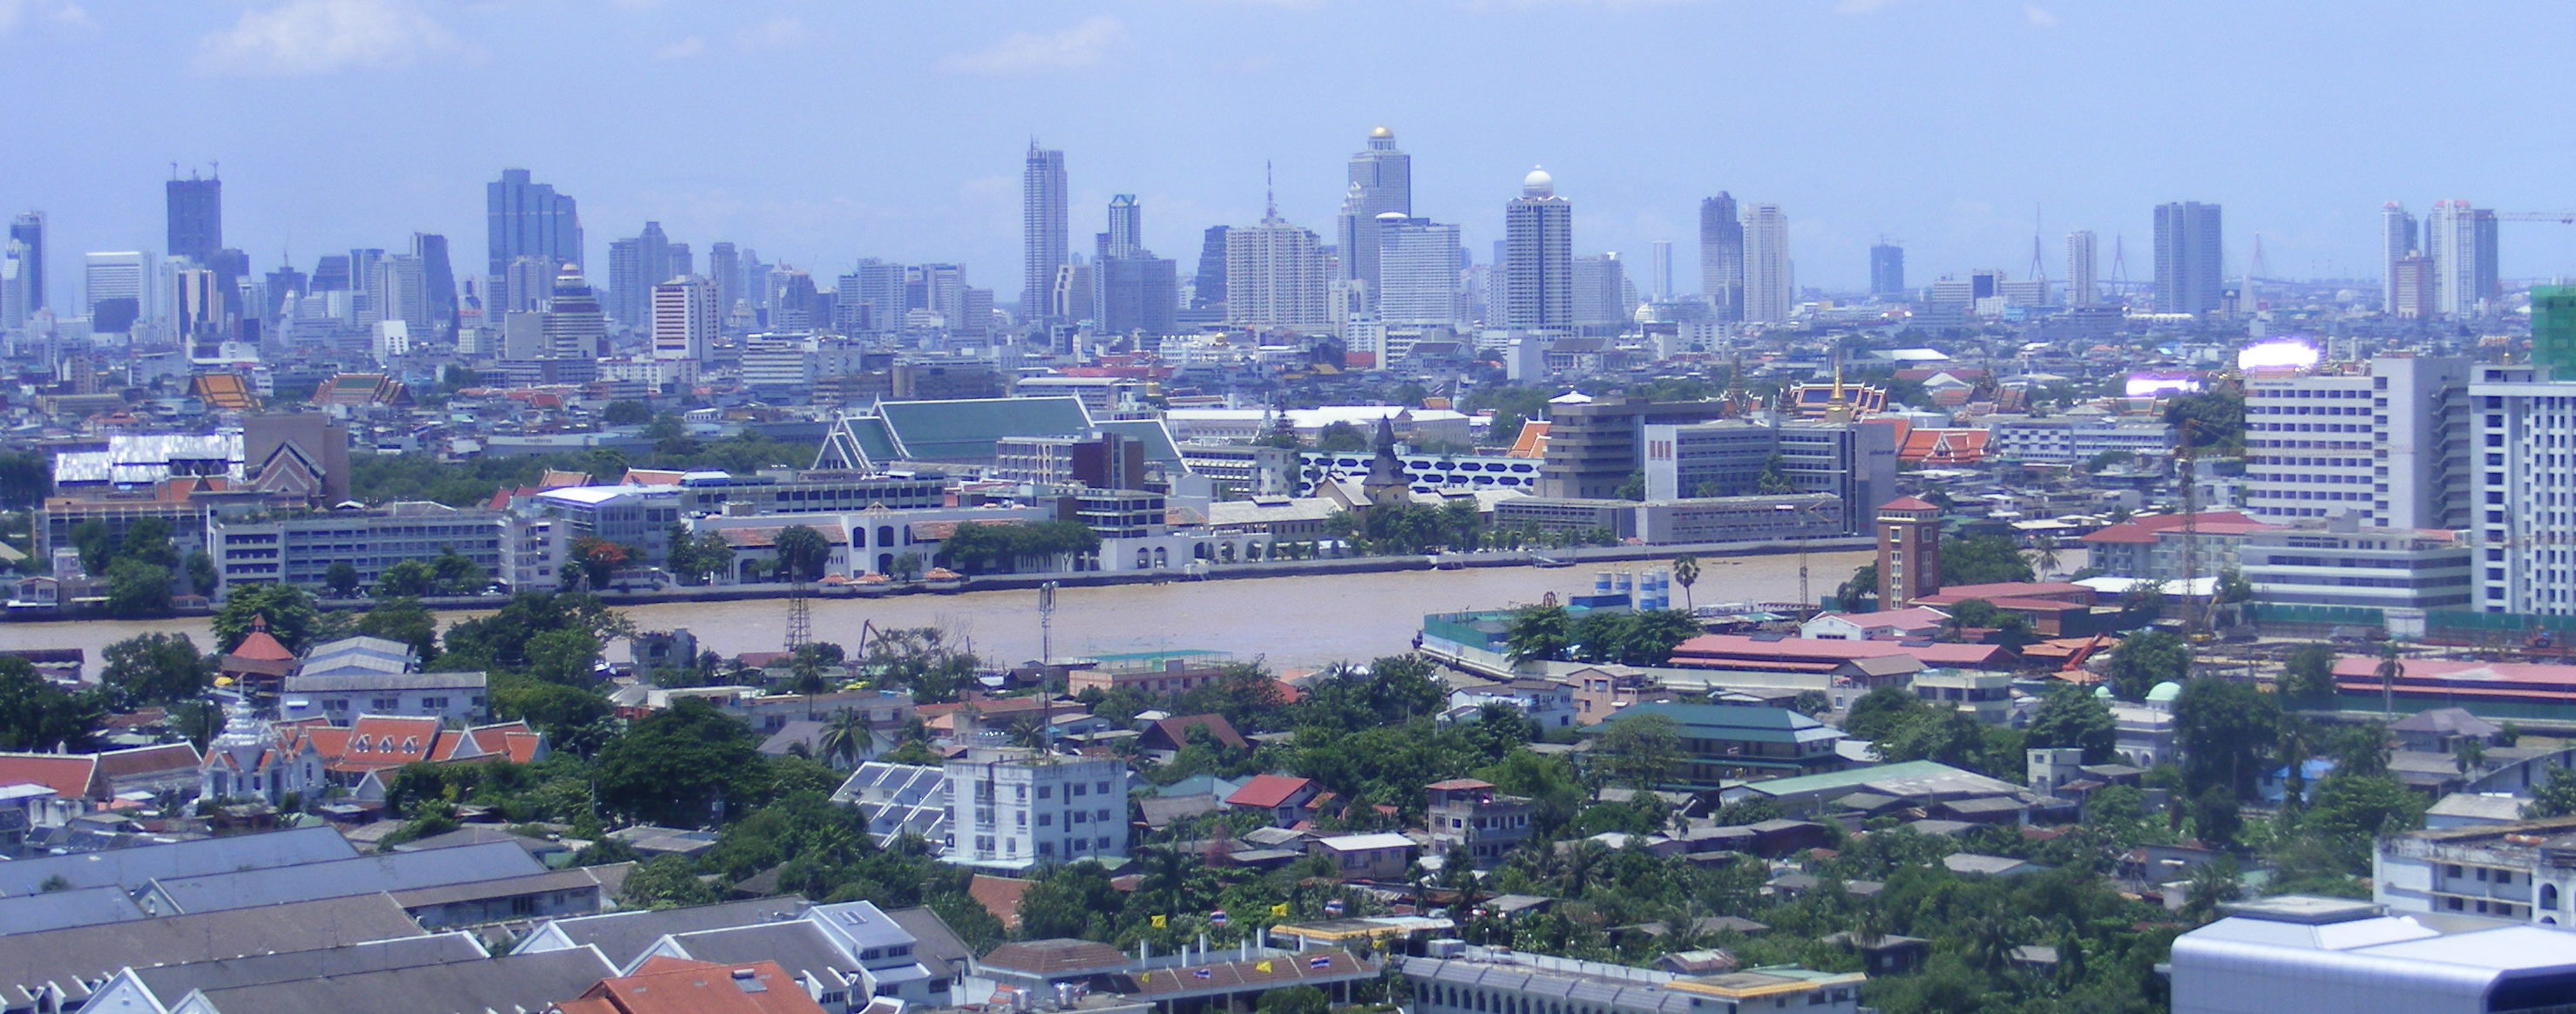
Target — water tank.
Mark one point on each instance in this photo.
(1600, 582)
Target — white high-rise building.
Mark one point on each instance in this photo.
(1044, 219)
(1381, 182)
(1017, 809)
(2397, 241)
(2525, 490)
(1417, 270)
(2082, 282)
(400, 288)
(121, 282)
(18, 274)
(1660, 275)
(1770, 293)
(2462, 243)
(2387, 445)
(1276, 277)
(1538, 258)
(684, 318)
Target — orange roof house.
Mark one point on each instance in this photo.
(668, 985)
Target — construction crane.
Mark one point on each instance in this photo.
(2560, 217)
(2186, 462)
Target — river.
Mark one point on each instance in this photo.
(1291, 621)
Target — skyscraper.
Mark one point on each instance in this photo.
(1662, 270)
(196, 307)
(1044, 241)
(2462, 242)
(15, 299)
(1603, 296)
(29, 228)
(1769, 291)
(2190, 261)
(1138, 293)
(1887, 272)
(528, 219)
(684, 318)
(635, 266)
(1207, 289)
(1275, 277)
(2082, 285)
(118, 290)
(438, 278)
(1381, 181)
(399, 290)
(196, 209)
(575, 333)
(1417, 268)
(1126, 227)
(1538, 264)
(1721, 257)
(2397, 241)
(724, 278)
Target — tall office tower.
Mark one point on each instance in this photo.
(575, 332)
(1887, 272)
(877, 292)
(1139, 294)
(527, 219)
(2083, 286)
(2397, 241)
(331, 274)
(625, 273)
(526, 285)
(678, 261)
(29, 228)
(364, 309)
(438, 278)
(1770, 292)
(1417, 270)
(1044, 239)
(684, 318)
(635, 266)
(2395, 456)
(2524, 488)
(196, 307)
(1662, 270)
(1909, 551)
(1721, 257)
(1126, 227)
(1275, 277)
(118, 287)
(14, 265)
(284, 286)
(1604, 299)
(2462, 242)
(1207, 289)
(2190, 262)
(1070, 298)
(2411, 294)
(724, 276)
(1538, 263)
(2553, 329)
(196, 208)
(398, 289)
(1381, 181)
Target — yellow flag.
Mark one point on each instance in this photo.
(1280, 911)
(1160, 921)
(1262, 967)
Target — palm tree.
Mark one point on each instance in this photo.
(2390, 671)
(2298, 743)
(1686, 574)
(2044, 552)
(844, 736)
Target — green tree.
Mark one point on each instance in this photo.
(1293, 1000)
(1686, 574)
(153, 669)
(802, 552)
(287, 609)
(567, 656)
(2307, 677)
(2348, 812)
(1650, 637)
(2143, 660)
(1877, 713)
(2225, 731)
(1541, 633)
(1860, 593)
(136, 588)
(625, 412)
(1341, 438)
(1982, 559)
(2213, 420)
(148, 539)
(1631, 488)
(1774, 479)
(666, 881)
(37, 716)
(406, 579)
(26, 477)
(2554, 797)
(97, 546)
(403, 620)
(201, 573)
(341, 578)
(457, 573)
(2071, 717)
(680, 767)
(1637, 749)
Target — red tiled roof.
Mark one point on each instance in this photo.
(1268, 791)
(1000, 896)
(1178, 730)
(668, 985)
(141, 760)
(69, 775)
(2142, 530)
(259, 646)
(1907, 503)
(1722, 650)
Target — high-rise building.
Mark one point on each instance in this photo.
(528, 219)
(16, 300)
(2411, 281)
(2391, 452)
(29, 228)
(1044, 213)
(2190, 261)
(1070, 299)
(1909, 552)
(1887, 272)
(877, 292)
(438, 278)
(2553, 329)
(576, 333)
(1417, 267)
(196, 210)
(1207, 288)
(1604, 299)
(1381, 181)
(1661, 271)
(2083, 285)
(1139, 294)
(1275, 277)
(196, 307)
(1770, 293)
(285, 284)
(118, 289)
(635, 266)
(1538, 264)
(1721, 257)
(1126, 227)
(2525, 485)
(724, 278)
(398, 289)
(684, 318)
(2462, 242)
(2397, 241)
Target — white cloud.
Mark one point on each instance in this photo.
(325, 36)
(60, 12)
(775, 33)
(1863, 6)
(1079, 46)
(2039, 16)
(682, 49)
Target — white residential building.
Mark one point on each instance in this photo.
(1275, 277)
(2387, 443)
(685, 318)
(1417, 272)
(1770, 293)
(1015, 809)
(2069, 440)
(2344, 564)
(2524, 472)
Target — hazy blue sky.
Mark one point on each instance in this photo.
(819, 132)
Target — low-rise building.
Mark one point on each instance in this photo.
(2525, 870)
(1476, 980)
(1985, 695)
(2073, 439)
(1381, 856)
(1154, 673)
(1547, 703)
(274, 548)
(1468, 815)
(1280, 799)
(2343, 564)
(2295, 952)
(1722, 743)
(1013, 809)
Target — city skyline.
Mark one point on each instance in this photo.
(2082, 147)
